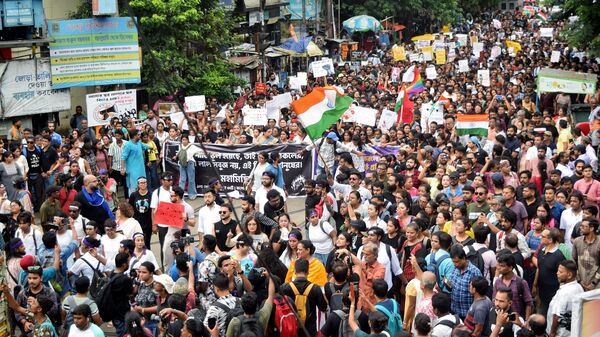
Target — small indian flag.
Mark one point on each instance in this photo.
(472, 124)
(542, 17)
(321, 108)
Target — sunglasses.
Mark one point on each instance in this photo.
(34, 268)
(479, 193)
(222, 212)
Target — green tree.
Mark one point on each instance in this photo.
(585, 32)
(186, 38)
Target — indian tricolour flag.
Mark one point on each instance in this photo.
(542, 17)
(321, 108)
(472, 124)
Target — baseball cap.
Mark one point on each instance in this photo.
(333, 136)
(166, 281)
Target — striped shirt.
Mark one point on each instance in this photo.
(115, 151)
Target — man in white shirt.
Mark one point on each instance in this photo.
(89, 261)
(163, 193)
(80, 220)
(208, 215)
(387, 255)
(561, 306)
(268, 183)
(446, 321)
(354, 184)
(571, 216)
(32, 239)
(176, 196)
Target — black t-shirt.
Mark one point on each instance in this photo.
(531, 209)
(34, 160)
(49, 157)
(221, 231)
(141, 208)
(94, 213)
(310, 202)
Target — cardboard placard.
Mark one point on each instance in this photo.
(260, 88)
(169, 214)
(431, 73)
(255, 116)
(483, 77)
(463, 66)
(195, 103)
(555, 57)
(322, 68)
(440, 56)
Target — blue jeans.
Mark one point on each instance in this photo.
(321, 257)
(152, 174)
(188, 174)
(119, 327)
(332, 169)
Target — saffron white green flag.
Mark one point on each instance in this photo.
(321, 108)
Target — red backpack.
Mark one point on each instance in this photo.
(285, 320)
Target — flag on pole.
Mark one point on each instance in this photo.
(542, 17)
(416, 85)
(409, 75)
(472, 124)
(444, 101)
(404, 107)
(321, 108)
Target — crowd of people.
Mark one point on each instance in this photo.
(452, 236)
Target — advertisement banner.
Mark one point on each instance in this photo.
(90, 52)
(570, 86)
(235, 163)
(25, 89)
(103, 106)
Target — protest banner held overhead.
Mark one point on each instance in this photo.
(101, 107)
(237, 161)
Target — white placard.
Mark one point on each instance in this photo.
(387, 120)
(25, 89)
(303, 77)
(280, 101)
(295, 83)
(547, 32)
(497, 24)
(555, 57)
(195, 103)
(483, 77)
(462, 39)
(427, 56)
(103, 106)
(463, 66)
(422, 43)
(322, 68)
(496, 51)
(431, 73)
(177, 117)
(395, 74)
(414, 57)
(477, 48)
(409, 74)
(255, 116)
(362, 115)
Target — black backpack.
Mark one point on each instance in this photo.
(250, 324)
(105, 302)
(335, 302)
(474, 256)
(98, 280)
(231, 313)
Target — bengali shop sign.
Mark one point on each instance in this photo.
(235, 163)
(89, 52)
(25, 89)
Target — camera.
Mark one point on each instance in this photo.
(188, 240)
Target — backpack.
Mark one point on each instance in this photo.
(335, 302)
(236, 311)
(474, 256)
(434, 266)
(250, 324)
(98, 281)
(344, 329)
(394, 319)
(105, 301)
(285, 321)
(300, 300)
(450, 323)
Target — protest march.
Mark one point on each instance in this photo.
(443, 185)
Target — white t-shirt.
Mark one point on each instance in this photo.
(111, 249)
(568, 220)
(81, 267)
(130, 227)
(32, 241)
(261, 196)
(92, 331)
(322, 241)
(165, 195)
(378, 223)
(64, 239)
(207, 217)
(136, 261)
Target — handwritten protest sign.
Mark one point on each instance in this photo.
(431, 73)
(555, 57)
(361, 115)
(399, 53)
(195, 103)
(322, 68)
(169, 214)
(483, 77)
(260, 88)
(547, 32)
(440, 56)
(427, 53)
(462, 39)
(463, 66)
(255, 116)
(387, 120)
(278, 102)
